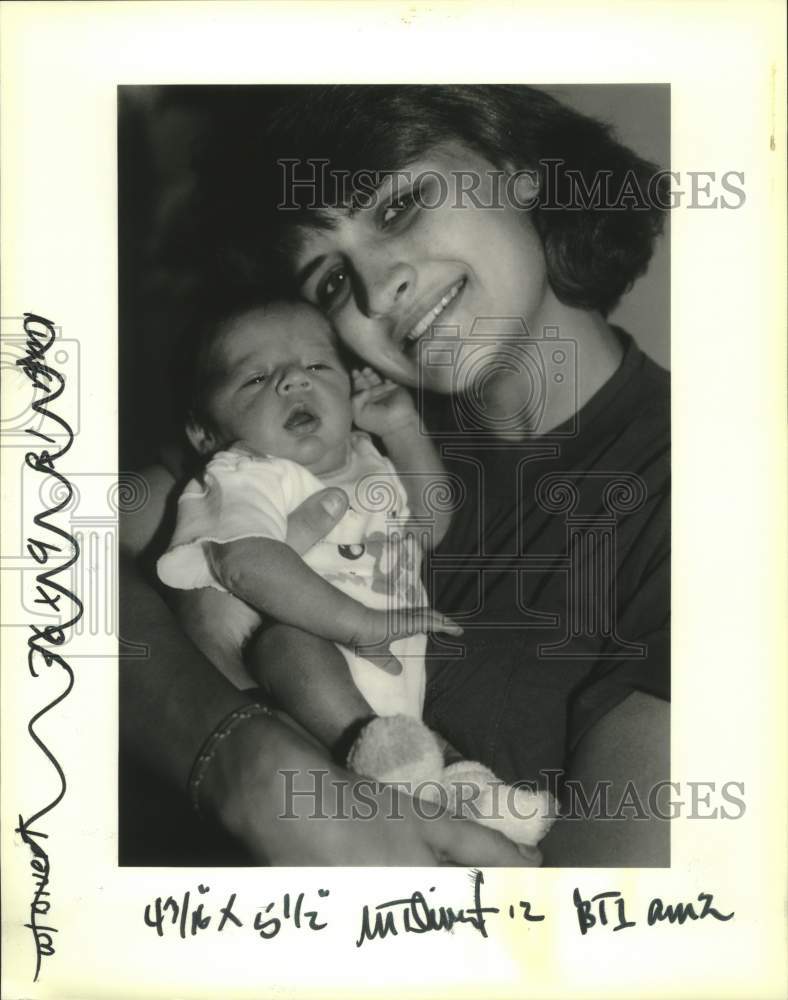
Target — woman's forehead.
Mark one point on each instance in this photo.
(309, 236)
(450, 163)
(333, 189)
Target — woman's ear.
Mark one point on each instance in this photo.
(522, 186)
(200, 438)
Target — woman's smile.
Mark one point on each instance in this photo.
(443, 306)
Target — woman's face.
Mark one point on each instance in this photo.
(405, 284)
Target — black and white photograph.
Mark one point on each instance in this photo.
(393, 499)
(433, 307)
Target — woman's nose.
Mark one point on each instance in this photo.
(386, 288)
(294, 377)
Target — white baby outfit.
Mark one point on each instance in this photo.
(368, 555)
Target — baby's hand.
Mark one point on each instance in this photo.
(381, 628)
(380, 406)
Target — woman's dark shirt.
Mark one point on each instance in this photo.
(557, 562)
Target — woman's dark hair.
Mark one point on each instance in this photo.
(599, 209)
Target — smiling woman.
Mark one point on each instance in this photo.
(513, 286)
(442, 244)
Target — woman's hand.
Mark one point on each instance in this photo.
(314, 518)
(280, 794)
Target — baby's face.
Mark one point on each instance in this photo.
(280, 387)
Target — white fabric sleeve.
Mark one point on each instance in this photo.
(238, 496)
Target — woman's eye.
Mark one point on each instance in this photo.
(333, 288)
(258, 379)
(399, 207)
(318, 366)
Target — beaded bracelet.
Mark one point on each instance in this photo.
(210, 747)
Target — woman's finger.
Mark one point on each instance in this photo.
(463, 842)
(314, 518)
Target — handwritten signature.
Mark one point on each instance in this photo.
(41, 335)
(414, 915)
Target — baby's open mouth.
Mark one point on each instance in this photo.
(302, 420)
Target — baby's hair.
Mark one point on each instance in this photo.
(190, 367)
(593, 253)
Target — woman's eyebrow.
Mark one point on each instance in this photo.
(309, 269)
(359, 201)
(357, 204)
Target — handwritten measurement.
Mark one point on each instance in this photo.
(189, 914)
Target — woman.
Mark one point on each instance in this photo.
(472, 231)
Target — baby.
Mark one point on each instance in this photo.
(272, 407)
